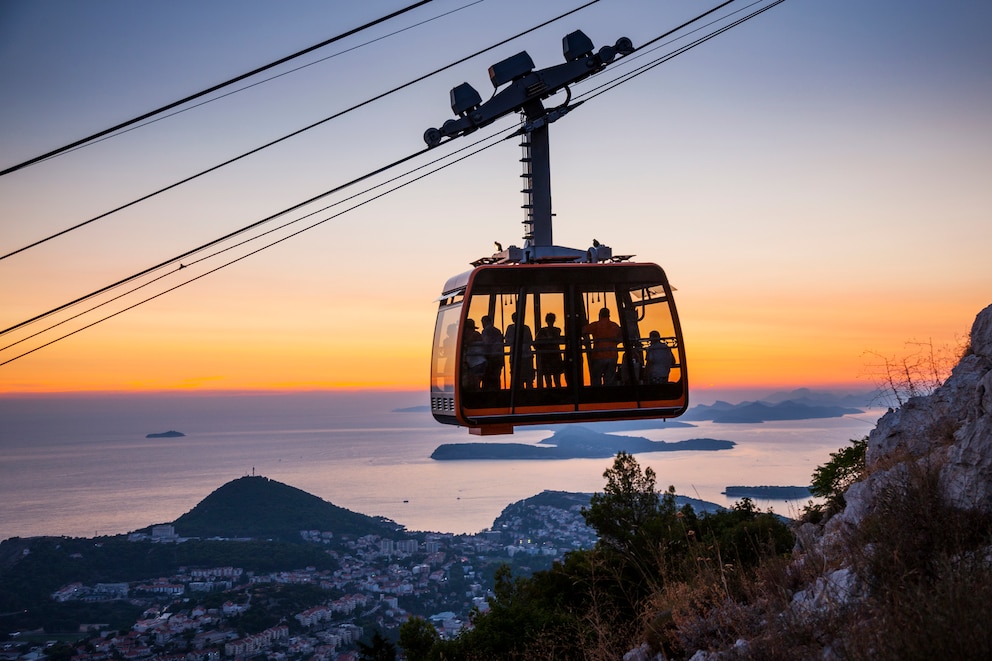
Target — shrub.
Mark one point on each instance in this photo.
(832, 479)
(928, 572)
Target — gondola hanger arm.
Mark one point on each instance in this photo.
(527, 87)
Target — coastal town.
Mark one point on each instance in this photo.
(372, 585)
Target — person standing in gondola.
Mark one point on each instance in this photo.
(521, 355)
(492, 345)
(550, 365)
(473, 357)
(606, 336)
(660, 360)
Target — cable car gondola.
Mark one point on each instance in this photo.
(547, 334)
(531, 377)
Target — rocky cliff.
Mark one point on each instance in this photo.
(947, 434)
(904, 570)
(923, 509)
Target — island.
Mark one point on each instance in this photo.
(755, 412)
(575, 442)
(172, 433)
(767, 492)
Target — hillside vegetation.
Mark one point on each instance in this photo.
(44, 564)
(895, 562)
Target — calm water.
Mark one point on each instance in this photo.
(81, 466)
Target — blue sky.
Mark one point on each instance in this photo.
(815, 182)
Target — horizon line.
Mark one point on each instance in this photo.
(224, 392)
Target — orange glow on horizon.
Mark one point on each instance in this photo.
(715, 364)
(802, 241)
(730, 343)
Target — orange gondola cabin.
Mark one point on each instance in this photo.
(547, 334)
(531, 375)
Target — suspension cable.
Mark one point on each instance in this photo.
(236, 79)
(211, 243)
(297, 132)
(686, 24)
(591, 94)
(630, 75)
(247, 255)
(247, 228)
(278, 75)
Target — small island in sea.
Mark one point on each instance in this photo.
(172, 433)
(767, 492)
(574, 442)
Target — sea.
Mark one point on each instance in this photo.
(82, 465)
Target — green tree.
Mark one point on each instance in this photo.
(832, 479)
(644, 527)
(627, 507)
(417, 638)
(379, 649)
(744, 535)
(525, 614)
(593, 604)
(60, 651)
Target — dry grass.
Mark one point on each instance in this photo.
(926, 568)
(928, 571)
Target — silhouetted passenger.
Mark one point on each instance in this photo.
(660, 360)
(492, 344)
(522, 361)
(550, 365)
(603, 357)
(473, 357)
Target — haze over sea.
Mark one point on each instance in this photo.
(81, 466)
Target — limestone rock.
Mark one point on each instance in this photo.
(949, 431)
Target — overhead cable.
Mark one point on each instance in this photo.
(279, 75)
(598, 91)
(684, 25)
(226, 83)
(210, 243)
(630, 75)
(297, 132)
(187, 264)
(247, 228)
(247, 255)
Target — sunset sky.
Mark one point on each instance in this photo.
(816, 182)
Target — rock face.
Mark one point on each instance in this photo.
(950, 430)
(967, 475)
(903, 571)
(947, 434)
